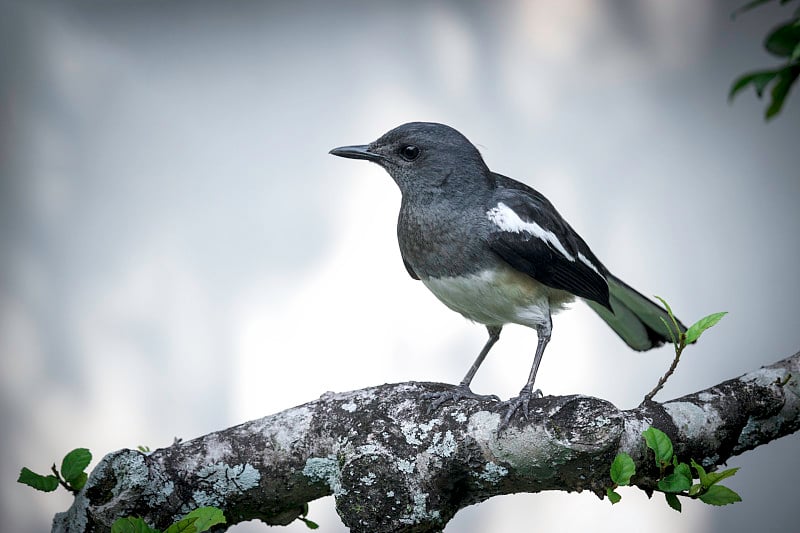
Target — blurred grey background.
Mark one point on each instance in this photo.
(178, 253)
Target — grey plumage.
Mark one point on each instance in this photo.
(494, 249)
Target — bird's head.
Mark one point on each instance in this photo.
(422, 157)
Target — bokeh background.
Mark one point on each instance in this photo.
(179, 254)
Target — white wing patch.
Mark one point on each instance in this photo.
(507, 219)
(583, 259)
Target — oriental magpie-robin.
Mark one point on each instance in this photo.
(496, 250)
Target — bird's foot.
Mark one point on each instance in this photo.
(520, 403)
(460, 392)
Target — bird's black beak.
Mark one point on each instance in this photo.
(357, 152)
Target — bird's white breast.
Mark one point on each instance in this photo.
(499, 296)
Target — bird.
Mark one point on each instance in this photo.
(497, 251)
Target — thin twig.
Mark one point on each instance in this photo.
(678, 350)
(61, 481)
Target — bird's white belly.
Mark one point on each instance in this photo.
(497, 297)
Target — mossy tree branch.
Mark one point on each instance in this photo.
(393, 467)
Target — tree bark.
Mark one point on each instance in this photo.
(392, 466)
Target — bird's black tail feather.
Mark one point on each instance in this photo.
(636, 318)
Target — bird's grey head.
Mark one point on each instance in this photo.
(423, 157)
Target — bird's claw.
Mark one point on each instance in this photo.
(455, 394)
(520, 403)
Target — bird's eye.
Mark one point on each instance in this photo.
(409, 152)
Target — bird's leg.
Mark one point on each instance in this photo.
(494, 336)
(462, 390)
(521, 402)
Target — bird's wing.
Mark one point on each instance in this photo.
(410, 270)
(529, 234)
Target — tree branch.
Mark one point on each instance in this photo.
(393, 467)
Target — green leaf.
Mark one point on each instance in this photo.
(759, 80)
(695, 490)
(710, 478)
(206, 518)
(675, 333)
(613, 496)
(782, 40)
(37, 481)
(666, 306)
(669, 330)
(622, 469)
(675, 482)
(658, 441)
(697, 329)
(311, 524)
(701, 474)
(716, 477)
(80, 481)
(74, 463)
(185, 525)
(786, 79)
(130, 524)
(719, 495)
(683, 469)
(673, 502)
(796, 53)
